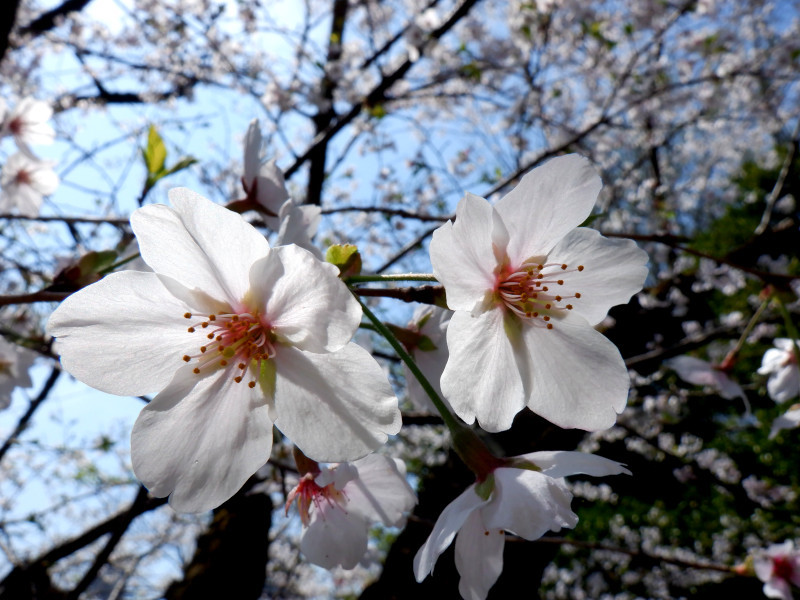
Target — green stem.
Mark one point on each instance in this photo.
(466, 442)
(752, 323)
(391, 277)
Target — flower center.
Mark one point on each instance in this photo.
(235, 341)
(782, 568)
(534, 291)
(308, 492)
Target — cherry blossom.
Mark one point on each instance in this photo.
(27, 123)
(778, 566)
(700, 372)
(527, 285)
(780, 363)
(24, 182)
(337, 505)
(234, 337)
(14, 364)
(298, 224)
(525, 502)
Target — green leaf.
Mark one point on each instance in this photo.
(184, 163)
(155, 154)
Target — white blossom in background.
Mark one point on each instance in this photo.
(337, 506)
(27, 123)
(778, 566)
(234, 337)
(523, 502)
(700, 372)
(24, 182)
(430, 353)
(527, 286)
(15, 361)
(788, 420)
(780, 363)
(263, 181)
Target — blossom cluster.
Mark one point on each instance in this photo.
(235, 336)
(26, 179)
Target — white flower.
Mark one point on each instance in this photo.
(27, 123)
(788, 420)
(524, 502)
(780, 364)
(430, 353)
(338, 505)
(777, 567)
(263, 183)
(234, 336)
(14, 364)
(24, 181)
(699, 372)
(527, 286)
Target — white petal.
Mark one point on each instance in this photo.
(546, 204)
(482, 378)
(478, 557)
(692, 370)
(252, 152)
(462, 256)
(124, 334)
(772, 361)
(445, 529)
(200, 244)
(304, 299)
(334, 537)
(334, 407)
(528, 504)
(271, 193)
(562, 463)
(784, 384)
(580, 380)
(789, 420)
(298, 225)
(200, 439)
(614, 270)
(381, 492)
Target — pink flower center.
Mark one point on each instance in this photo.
(23, 177)
(235, 341)
(535, 292)
(308, 492)
(782, 568)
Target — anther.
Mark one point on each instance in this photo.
(545, 318)
(241, 366)
(223, 362)
(569, 307)
(204, 324)
(580, 267)
(212, 317)
(190, 330)
(549, 325)
(210, 336)
(547, 306)
(187, 358)
(558, 298)
(203, 348)
(187, 315)
(251, 385)
(560, 282)
(577, 294)
(545, 288)
(196, 371)
(563, 267)
(238, 379)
